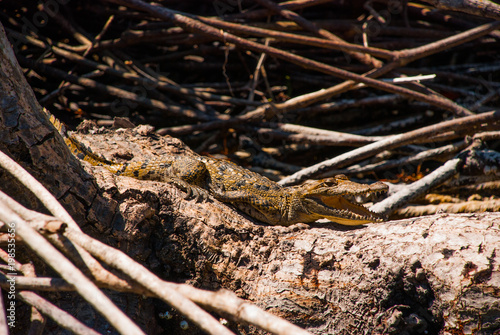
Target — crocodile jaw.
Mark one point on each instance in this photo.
(337, 209)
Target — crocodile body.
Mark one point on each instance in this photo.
(248, 191)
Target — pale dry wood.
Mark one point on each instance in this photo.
(440, 153)
(78, 255)
(467, 123)
(295, 272)
(37, 283)
(418, 188)
(472, 206)
(141, 275)
(228, 303)
(223, 302)
(70, 273)
(85, 287)
(24, 110)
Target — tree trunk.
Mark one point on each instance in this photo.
(29, 138)
(436, 273)
(439, 274)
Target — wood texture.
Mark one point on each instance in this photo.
(438, 274)
(435, 273)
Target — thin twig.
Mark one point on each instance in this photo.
(402, 57)
(290, 5)
(111, 256)
(144, 277)
(308, 25)
(117, 92)
(70, 273)
(224, 301)
(46, 198)
(63, 85)
(194, 25)
(393, 141)
(159, 83)
(385, 165)
(168, 291)
(37, 283)
(80, 256)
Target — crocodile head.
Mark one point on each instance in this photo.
(328, 198)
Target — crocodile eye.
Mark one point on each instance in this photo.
(341, 176)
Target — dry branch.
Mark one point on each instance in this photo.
(394, 141)
(70, 273)
(481, 8)
(145, 278)
(75, 278)
(193, 25)
(221, 302)
(398, 277)
(437, 177)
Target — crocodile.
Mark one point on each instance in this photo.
(250, 192)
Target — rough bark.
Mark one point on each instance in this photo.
(438, 274)
(27, 136)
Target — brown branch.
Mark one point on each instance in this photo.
(197, 26)
(402, 57)
(294, 38)
(117, 92)
(307, 25)
(481, 8)
(150, 82)
(290, 5)
(91, 44)
(443, 152)
(465, 123)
